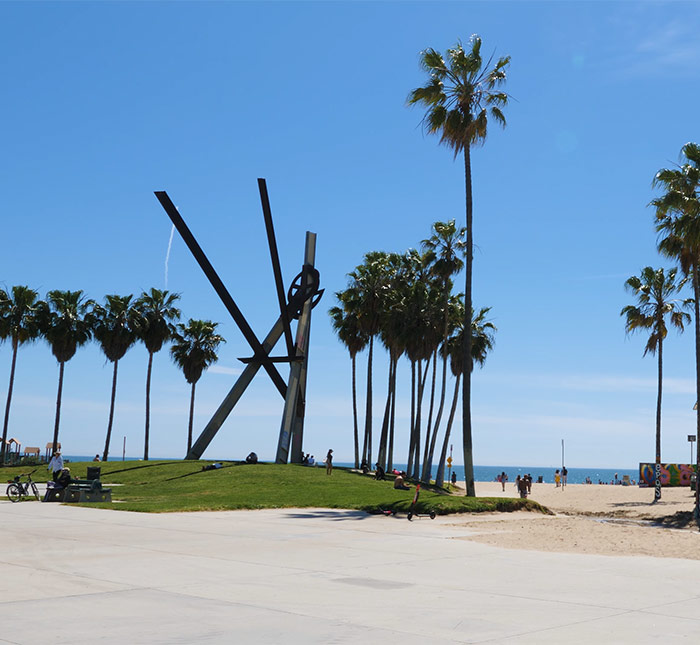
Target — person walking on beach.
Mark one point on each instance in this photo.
(522, 486)
(557, 478)
(329, 462)
(56, 465)
(504, 479)
(564, 473)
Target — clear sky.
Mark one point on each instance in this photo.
(103, 103)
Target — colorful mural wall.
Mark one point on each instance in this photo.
(671, 474)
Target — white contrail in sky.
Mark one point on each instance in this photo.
(167, 255)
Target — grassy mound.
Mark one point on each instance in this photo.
(169, 486)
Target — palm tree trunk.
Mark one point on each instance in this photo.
(58, 406)
(438, 418)
(189, 430)
(429, 425)
(440, 477)
(354, 409)
(148, 405)
(367, 445)
(411, 434)
(384, 437)
(15, 346)
(657, 466)
(428, 466)
(467, 352)
(696, 293)
(422, 380)
(392, 418)
(105, 455)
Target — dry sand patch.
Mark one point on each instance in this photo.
(596, 519)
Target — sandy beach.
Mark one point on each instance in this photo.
(595, 519)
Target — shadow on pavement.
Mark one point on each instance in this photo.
(337, 515)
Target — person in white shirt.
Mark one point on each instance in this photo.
(56, 464)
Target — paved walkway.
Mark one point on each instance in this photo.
(78, 575)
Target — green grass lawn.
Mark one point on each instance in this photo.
(168, 486)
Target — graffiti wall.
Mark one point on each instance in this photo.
(671, 474)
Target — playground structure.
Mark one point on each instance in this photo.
(295, 304)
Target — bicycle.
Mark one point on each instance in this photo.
(18, 490)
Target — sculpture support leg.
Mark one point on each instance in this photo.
(291, 431)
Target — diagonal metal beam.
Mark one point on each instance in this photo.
(274, 256)
(259, 351)
(232, 398)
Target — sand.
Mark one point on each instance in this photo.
(605, 520)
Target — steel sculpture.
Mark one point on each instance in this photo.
(302, 296)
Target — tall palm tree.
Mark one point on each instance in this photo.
(654, 290)
(482, 343)
(194, 350)
(391, 333)
(18, 324)
(678, 225)
(114, 329)
(460, 97)
(445, 247)
(365, 296)
(421, 339)
(156, 315)
(65, 321)
(347, 327)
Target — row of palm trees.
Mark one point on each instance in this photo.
(406, 302)
(67, 320)
(677, 219)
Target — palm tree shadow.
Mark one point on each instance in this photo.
(679, 520)
(639, 504)
(335, 515)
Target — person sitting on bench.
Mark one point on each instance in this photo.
(399, 482)
(64, 479)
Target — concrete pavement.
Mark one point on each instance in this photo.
(80, 575)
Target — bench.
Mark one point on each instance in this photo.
(87, 490)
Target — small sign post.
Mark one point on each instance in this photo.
(691, 440)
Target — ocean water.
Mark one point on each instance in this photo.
(575, 475)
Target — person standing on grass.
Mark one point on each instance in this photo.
(56, 465)
(329, 462)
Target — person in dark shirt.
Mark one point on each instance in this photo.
(64, 479)
(522, 487)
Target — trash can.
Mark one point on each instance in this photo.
(93, 472)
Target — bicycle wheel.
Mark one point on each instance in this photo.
(35, 490)
(14, 492)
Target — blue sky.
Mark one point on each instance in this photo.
(104, 103)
